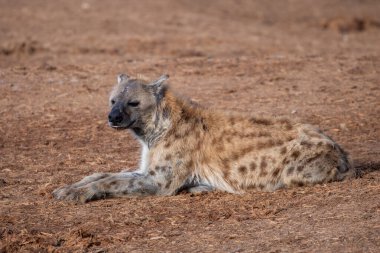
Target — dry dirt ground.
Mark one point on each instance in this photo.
(317, 61)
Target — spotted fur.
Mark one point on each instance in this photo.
(187, 147)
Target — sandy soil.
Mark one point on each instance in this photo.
(317, 61)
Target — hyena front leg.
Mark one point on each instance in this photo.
(161, 181)
(61, 192)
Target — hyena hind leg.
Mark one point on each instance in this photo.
(322, 162)
(196, 188)
(319, 171)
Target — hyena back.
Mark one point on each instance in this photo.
(186, 147)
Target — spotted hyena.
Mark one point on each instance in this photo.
(187, 147)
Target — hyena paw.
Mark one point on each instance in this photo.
(61, 192)
(81, 195)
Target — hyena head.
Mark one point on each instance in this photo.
(134, 103)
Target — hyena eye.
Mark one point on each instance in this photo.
(113, 102)
(133, 103)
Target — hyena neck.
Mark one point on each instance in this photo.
(151, 134)
(169, 113)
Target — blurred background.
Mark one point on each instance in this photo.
(135, 30)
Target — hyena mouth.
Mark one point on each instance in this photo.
(121, 127)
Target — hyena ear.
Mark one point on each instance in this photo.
(158, 85)
(122, 77)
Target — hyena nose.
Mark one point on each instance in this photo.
(115, 117)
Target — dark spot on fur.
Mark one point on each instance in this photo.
(242, 169)
(185, 115)
(204, 126)
(285, 161)
(295, 154)
(289, 138)
(167, 144)
(140, 183)
(297, 183)
(276, 172)
(246, 150)
(157, 168)
(234, 182)
(261, 186)
(299, 168)
(168, 184)
(178, 136)
(306, 144)
(168, 157)
(260, 121)
(288, 126)
(251, 186)
(220, 147)
(307, 175)
(226, 173)
(286, 123)
(252, 166)
(190, 164)
(235, 156)
(263, 134)
(268, 144)
(225, 161)
(159, 185)
(248, 135)
(152, 173)
(320, 144)
(311, 159)
(263, 163)
(283, 150)
(290, 170)
(166, 112)
(279, 142)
